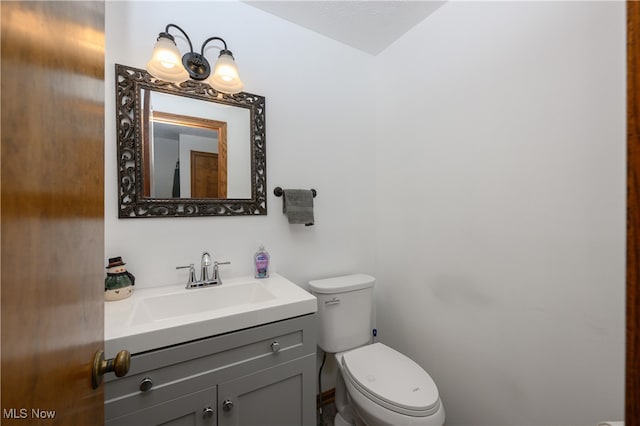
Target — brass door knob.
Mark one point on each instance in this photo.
(118, 365)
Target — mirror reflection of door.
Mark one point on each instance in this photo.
(205, 182)
(169, 142)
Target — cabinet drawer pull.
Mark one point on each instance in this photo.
(275, 346)
(146, 384)
(207, 413)
(227, 405)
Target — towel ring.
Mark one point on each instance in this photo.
(278, 192)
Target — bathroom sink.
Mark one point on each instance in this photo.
(196, 301)
(157, 317)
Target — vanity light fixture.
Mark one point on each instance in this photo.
(167, 64)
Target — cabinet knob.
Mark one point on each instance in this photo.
(275, 346)
(146, 384)
(227, 405)
(207, 413)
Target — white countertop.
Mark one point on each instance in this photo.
(125, 330)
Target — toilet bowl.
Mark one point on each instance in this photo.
(387, 388)
(376, 385)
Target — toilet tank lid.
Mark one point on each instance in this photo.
(342, 284)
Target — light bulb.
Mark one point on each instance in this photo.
(225, 77)
(166, 62)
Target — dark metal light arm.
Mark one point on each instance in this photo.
(166, 31)
(195, 63)
(211, 39)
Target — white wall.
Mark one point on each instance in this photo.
(165, 155)
(501, 208)
(319, 135)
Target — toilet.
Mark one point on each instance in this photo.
(376, 385)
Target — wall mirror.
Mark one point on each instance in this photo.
(187, 150)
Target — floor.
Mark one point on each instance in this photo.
(328, 413)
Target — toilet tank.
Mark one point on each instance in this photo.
(344, 310)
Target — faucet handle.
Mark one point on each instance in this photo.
(192, 274)
(215, 267)
(216, 274)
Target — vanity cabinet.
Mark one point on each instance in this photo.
(263, 375)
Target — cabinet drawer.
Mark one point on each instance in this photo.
(186, 368)
(196, 409)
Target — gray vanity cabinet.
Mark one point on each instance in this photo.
(259, 376)
(271, 397)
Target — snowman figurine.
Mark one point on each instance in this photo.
(119, 283)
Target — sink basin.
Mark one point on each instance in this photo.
(199, 300)
(157, 317)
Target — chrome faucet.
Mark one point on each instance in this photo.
(205, 262)
(205, 278)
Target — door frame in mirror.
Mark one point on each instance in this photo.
(130, 82)
(214, 126)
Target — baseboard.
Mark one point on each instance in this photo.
(326, 398)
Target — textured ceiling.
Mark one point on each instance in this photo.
(370, 26)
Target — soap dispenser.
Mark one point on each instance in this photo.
(261, 261)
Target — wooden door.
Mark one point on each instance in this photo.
(632, 389)
(52, 218)
(208, 175)
(204, 174)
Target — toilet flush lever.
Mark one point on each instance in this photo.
(333, 301)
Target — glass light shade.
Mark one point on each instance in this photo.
(166, 62)
(225, 77)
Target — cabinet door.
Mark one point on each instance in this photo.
(278, 396)
(195, 409)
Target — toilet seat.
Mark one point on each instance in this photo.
(391, 380)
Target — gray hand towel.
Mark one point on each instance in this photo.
(297, 204)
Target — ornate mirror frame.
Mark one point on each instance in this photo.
(130, 82)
